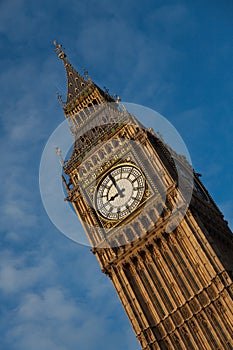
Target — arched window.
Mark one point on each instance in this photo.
(115, 142)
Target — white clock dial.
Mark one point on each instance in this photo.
(120, 192)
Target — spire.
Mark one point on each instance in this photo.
(76, 83)
(82, 94)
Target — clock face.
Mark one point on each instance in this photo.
(120, 192)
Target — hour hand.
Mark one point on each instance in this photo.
(113, 197)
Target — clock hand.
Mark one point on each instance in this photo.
(120, 191)
(113, 180)
(113, 197)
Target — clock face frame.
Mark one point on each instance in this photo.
(120, 192)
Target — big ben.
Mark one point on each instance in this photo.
(153, 227)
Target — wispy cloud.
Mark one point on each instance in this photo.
(49, 316)
(17, 274)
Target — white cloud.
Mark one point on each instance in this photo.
(17, 276)
(45, 313)
(51, 304)
(53, 320)
(19, 213)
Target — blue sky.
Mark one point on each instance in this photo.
(172, 56)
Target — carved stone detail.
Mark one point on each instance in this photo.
(220, 306)
(184, 331)
(168, 346)
(210, 312)
(212, 292)
(175, 338)
(160, 331)
(185, 312)
(168, 325)
(194, 326)
(195, 306)
(231, 290)
(177, 318)
(226, 279)
(203, 298)
(203, 320)
(218, 283)
(172, 240)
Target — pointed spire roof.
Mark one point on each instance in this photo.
(76, 83)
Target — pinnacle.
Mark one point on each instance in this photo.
(75, 82)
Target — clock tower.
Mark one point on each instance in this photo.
(153, 227)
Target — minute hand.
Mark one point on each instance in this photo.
(120, 191)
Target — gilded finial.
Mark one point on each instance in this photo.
(58, 49)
